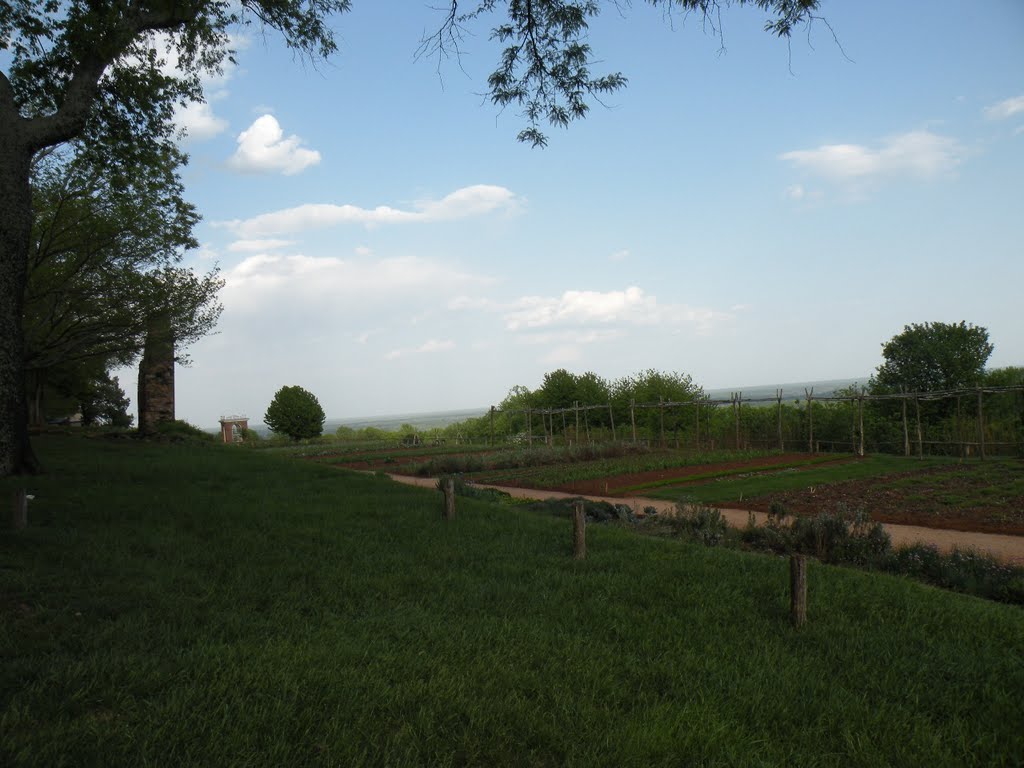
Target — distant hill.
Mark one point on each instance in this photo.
(391, 422)
(791, 391)
(432, 419)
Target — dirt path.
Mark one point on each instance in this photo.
(1009, 549)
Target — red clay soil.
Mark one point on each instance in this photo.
(609, 486)
(923, 506)
(918, 506)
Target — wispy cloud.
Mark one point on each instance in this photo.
(463, 203)
(920, 154)
(298, 284)
(1005, 108)
(427, 347)
(256, 246)
(263, 148)
(582, 310)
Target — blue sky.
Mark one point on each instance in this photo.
(744, 211)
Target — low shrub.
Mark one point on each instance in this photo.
(961, 570)
(181, 431)
(840, 535)
(700, 522)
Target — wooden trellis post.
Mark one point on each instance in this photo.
(632, 416)
(611, 418)
(491, 439)
(778, 400)
(576, 407)
(810, 420)
(860, 418)
(529, 427)
(920, 435)
(981, 427)
(736, 404)
(906, 432)
(661, 409)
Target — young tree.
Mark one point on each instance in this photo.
(295, 412)
(95, 70)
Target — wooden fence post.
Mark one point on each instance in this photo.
(19, 517)
(632, 416)
(798, 589)
(611, 417)
(492, 427)
(576, 407)
(579, 531)
(449, 499)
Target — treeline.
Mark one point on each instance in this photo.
(668, 409)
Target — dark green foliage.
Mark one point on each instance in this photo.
(104, 402)
(295, 412)
(933, 357)
(960, 570)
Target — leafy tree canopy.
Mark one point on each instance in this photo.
(933, 357)
(295, 412)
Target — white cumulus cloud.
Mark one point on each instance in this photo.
(917, 153)
(198, 121)
(466, 202)
(1005, 108)
(263, 148)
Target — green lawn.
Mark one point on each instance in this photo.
(188, 605)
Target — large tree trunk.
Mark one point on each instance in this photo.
(16, 456)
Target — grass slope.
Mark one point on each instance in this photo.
(181, 605)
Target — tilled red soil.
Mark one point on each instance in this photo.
(612, 486)
(917, 506)
(935, 504)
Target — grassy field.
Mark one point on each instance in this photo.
(193, 605)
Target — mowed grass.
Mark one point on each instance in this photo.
(204, 606)
(732, 488)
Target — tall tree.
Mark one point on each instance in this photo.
(933, 357)
(93, 69)
(102, 261)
